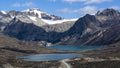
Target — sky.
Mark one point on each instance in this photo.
(63, 8)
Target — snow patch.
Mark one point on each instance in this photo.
(100, 33)
(57, 21)
(2, 28)
(32, 18)
(88, 30)
(35, 11)
(3, 12)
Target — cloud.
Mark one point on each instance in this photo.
(26, 4)
(115, 7)
(85, 10)
(66, 10)
(87, 1)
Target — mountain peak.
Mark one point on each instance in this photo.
(33, 9)
(3, 12)
(42, 14)
(108, 12)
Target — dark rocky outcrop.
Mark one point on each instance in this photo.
(29, 32)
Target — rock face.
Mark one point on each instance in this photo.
(84, 27)
(28, 31)
(100, 29)
(59, 27)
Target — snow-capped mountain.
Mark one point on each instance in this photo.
(41, 14)
(35, 16)
(32, 15)
(50, 19)
(103, 28)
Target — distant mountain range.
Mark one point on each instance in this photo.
(103, 28)
(33, 15)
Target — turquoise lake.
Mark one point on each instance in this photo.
(49, 57)
(74, 48)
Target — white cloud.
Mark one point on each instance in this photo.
(16, 5)
(115, 7)
(87, 1)
(66, 10)
(85, 10)
(26, 4)
(88, 10)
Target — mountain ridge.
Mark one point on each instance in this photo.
(87, 30)
(33, 15)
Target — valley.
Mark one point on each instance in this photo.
(30, 33)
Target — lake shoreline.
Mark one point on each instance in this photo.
(9, 58)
